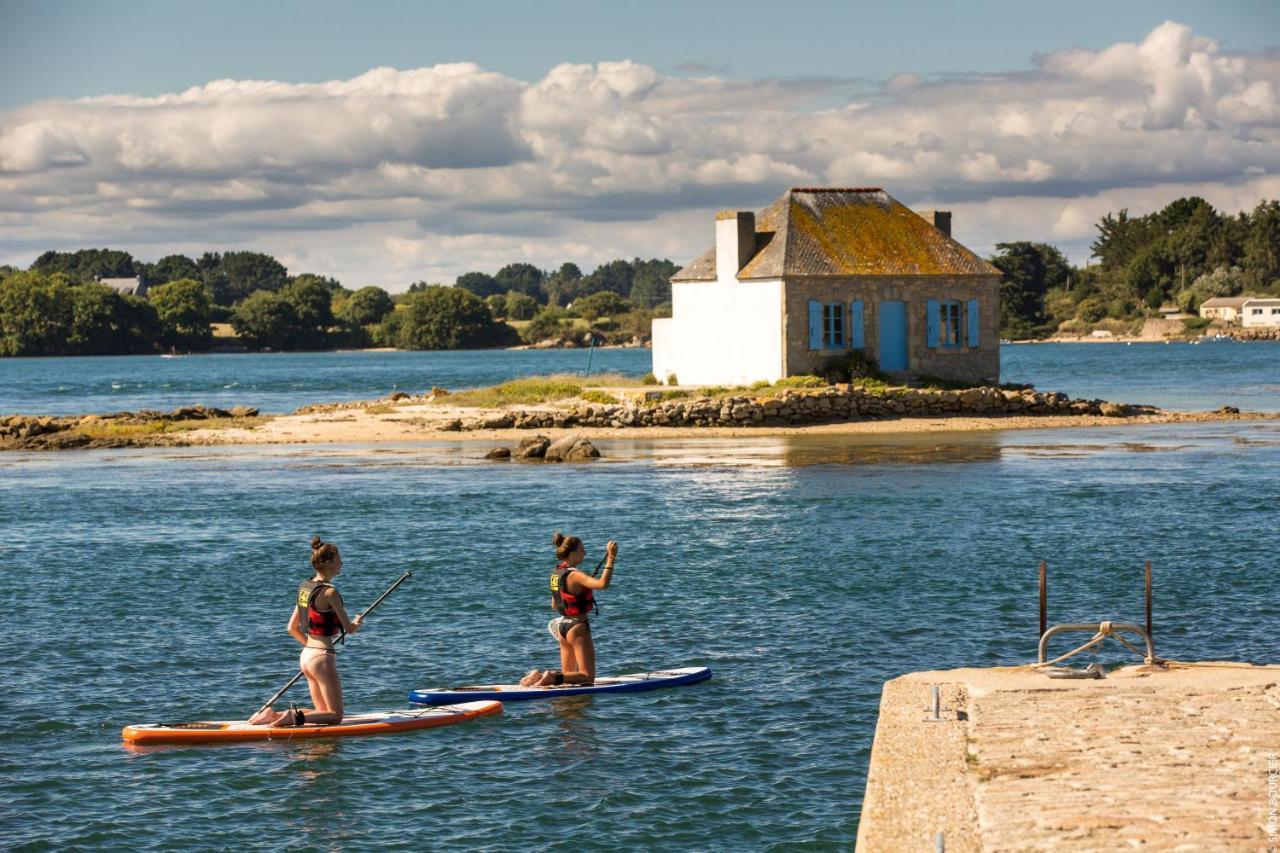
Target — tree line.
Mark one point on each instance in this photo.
(58, 307)
(1182, 255)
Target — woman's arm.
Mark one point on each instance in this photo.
(295, 627)
(602, 582)
(351, 626)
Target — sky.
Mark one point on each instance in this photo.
(391, 142)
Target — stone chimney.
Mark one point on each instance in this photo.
(735, 241)
(940, 219)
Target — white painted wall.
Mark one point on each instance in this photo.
(721, 333)
(1269, 316)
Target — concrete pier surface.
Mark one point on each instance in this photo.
(1185, 757)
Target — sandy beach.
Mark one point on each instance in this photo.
(427, 422)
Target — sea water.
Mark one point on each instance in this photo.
(155, 584)
(1175, 376)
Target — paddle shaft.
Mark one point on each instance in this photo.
(292, 681)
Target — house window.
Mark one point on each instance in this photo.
(950, 325)
(1255, 310)
(1275, 310)
(833, 326)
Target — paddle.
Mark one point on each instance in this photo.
(404, 577)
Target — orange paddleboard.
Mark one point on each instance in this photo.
(382, 723)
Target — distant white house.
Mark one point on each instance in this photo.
(1260, 311)
(824, 273)
(126, 286)
(1225, 308)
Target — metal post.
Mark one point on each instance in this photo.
(939, 845)
(937, 703)
(1148, 574)
(1044, 598)
(590, 352)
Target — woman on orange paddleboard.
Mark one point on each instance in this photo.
(573, 599)
(317, 618)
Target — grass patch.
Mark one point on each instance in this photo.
(379, 409)
(120, 429)
(531, 389)
(938, 384)
(670, 395)
(594, 396)
(875, 386)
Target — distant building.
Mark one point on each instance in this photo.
(821, 273)
(126, 286)
(1260, 311)
(1225, 308)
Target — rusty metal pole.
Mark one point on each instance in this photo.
(1148, 584)
(1044, 599)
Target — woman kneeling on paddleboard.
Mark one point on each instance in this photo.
(318, 617)
(573, 599)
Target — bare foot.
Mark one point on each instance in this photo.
(548, 678)
(267, 717)
(534, 676)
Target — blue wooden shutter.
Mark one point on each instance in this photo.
(931, 322)
(972, 312)
(815, 324)
(855, 324)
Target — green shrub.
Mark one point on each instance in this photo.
(672, 379)
(850, 366)
(648, 379)
(1196, 324)
(595, 396)
(801, 381)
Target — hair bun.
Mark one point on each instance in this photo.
(316, 542)
(557, 538)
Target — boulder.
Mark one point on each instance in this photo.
(1112, 410)
(533, 448)
(243, 411)
(397, 396)
(499, 453)
(571, 448)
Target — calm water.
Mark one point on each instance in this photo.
(1175, 376)
(155, 584)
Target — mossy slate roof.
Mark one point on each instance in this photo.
(818, 231)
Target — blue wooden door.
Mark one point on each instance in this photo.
(893, 335)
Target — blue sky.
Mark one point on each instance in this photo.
(73, 48)
(584, 131)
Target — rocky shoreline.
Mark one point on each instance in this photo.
(795, 407)
(657, 412)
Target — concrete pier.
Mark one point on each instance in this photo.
(1179, 758)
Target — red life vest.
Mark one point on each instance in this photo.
(565, 602)
(317, 623)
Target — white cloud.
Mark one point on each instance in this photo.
(394, 176)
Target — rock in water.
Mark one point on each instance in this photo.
(533, 448)
(571, 448)
(499, 453)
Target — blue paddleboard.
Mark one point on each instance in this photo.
(633, 683)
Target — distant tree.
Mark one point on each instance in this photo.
(366, 306)
(88, 264)
(311, 300)
(600, 304)
(329, 283)
(1261, 264)
(35, 313)
(549, 323)
(651, 284)
(497, 304)
(234, 275)
(184, 311)
(562, 285)
(103, 322)
(616, 276)
(520, 306)
(1030, 270)
(522, 278)
(480, 284)
(446, 318)
(265, 320)
(171, 268)
(1119, 238)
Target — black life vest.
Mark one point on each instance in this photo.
(565, 602)
(317, 623)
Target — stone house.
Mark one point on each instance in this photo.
(825, 272)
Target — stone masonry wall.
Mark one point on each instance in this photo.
(841, 403)
(961, 364)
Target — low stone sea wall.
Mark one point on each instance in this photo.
(802, 406)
